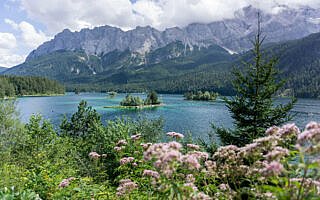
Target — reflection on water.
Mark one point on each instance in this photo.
(179, 115)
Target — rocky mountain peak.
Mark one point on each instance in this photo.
(233, 34)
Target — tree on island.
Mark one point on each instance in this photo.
(130, 100)
(253, 108)
(152, 99)
(201, 96)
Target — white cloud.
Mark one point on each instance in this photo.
(60, 14)
(8, 59)
(11, 23)
(7, 41)
(13, 48)
(31, 37)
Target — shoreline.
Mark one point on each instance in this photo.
(41, 95)
(34, 95)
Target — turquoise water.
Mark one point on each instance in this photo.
(179, 115)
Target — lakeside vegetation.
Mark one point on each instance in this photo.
(13, 86)
(127, 159)
(201, 96)
(136, 102)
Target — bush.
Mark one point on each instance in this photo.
(201, 96)
(132, 101)
(127, 159)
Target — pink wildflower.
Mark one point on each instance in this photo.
(94, 155)
(249, 149)
(193, 146)
(200, 155)
(66, 182)
(273, 168)
(125, 187)
(175, 145)
(151, 173)
(121, 143)
(145, 145)
(191, 161)
(277, 153)
(136, 137)
(118, 148)
(288, 130)
(201, 196)
(312, 125)
(272, 130)
(210, 165)
(190, 178)
(126, 160)
(191, 185)
(224, 187)
(170, 156)
(175, 135)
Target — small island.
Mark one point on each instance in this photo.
(111, 94)
(136, 102)
(201, 96)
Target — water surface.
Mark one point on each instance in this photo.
(179, 115)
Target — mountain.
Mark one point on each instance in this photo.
(234, 34)
(116, 67)
(2, 69)
(198, 56)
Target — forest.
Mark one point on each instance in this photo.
(12, 86)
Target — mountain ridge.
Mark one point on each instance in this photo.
(233, 34)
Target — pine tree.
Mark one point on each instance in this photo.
(253, 108)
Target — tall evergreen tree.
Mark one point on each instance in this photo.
(253, 108)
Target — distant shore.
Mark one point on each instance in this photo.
(32, 95)
(41, 95)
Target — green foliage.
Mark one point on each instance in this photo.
(11, 86)
(83, 123)
(130, 100)
(113, 161)
(152, 99)
(12, 194)
(253, 108)
(201, 96)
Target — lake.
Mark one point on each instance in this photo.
(179, 115)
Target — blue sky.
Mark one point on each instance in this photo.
(25, 24)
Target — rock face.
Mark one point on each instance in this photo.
(233, 34)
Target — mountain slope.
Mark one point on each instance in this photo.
(121, 67)
(299, 64)
(2, 69)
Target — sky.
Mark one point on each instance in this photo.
(26, 24)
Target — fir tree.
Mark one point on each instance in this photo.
(253, 108)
